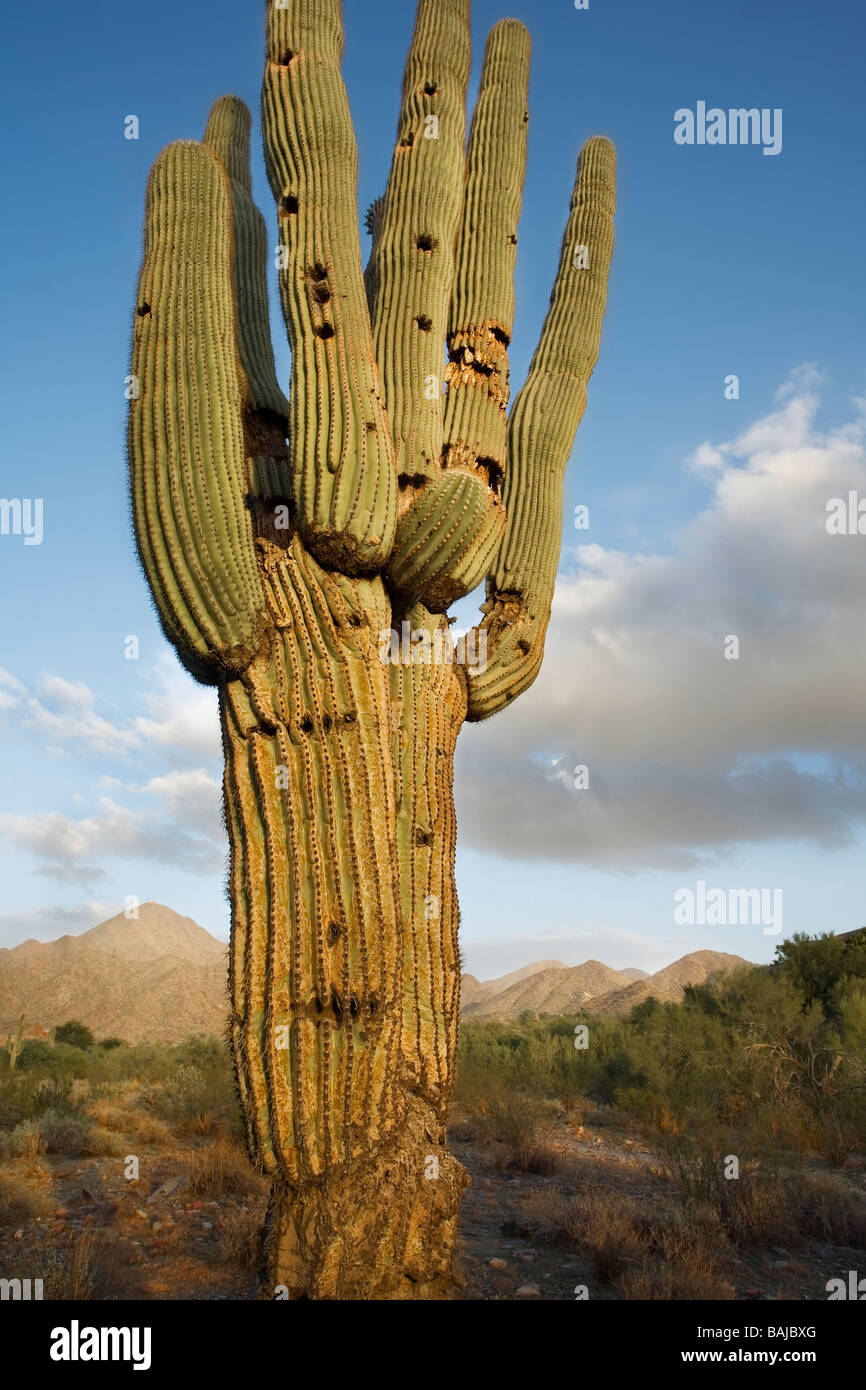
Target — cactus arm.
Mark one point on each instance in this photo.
(344, 480)
(482, 305)
(227, 134)
(187, 452)
(414, 245)
(448, 536)
(541, 432)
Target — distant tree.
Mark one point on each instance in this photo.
(526, 1016)
(821, 966)
(75, 1034)
(109, 1043)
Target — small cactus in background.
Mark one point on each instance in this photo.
(278, 566)
(15, 1045)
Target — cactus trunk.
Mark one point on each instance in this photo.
(344, 969)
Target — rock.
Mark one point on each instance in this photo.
(528, 1291)
(498, 1264)
(168, 1189)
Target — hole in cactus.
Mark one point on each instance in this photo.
(371, 426)
(430, 89)
(425, 242)
(354, 621)
(321, 294)
(318, 271)
(143, 310)
(407, 142)
(491, 471)
(349, 718)
(336, 1006)
(523, 646)
(326, 723)
(324, 330)
(424, 323)
(306, 725)
(423, 837)
(289, 205)
(513, 240)
(500, 335)
(354, 1009)
(373, 1006)
(333, 933)
(286, 58)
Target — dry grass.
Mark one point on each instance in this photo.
(123, 1113)
(24, 1141)
(221, 1169)
(517, 1128)
(94, 1271)
(640, 1256)
(23, 1194)
(240, 1235)
(64, 1133)
(832, 1210)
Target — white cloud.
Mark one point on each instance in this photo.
(690, 753)
(181, 719)
(193, 798)
(181, 716)
(116, 832)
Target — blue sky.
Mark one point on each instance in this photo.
(706, 514)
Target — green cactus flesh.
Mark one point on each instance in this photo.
(283, 541)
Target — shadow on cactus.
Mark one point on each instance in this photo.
(281, 537)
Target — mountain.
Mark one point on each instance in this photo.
(668, 985)
(159, 977)
(471, 990)
(559, 989)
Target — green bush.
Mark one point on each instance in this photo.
(75, 1034)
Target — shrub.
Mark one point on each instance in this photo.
(64, 1133)
(75, 1034)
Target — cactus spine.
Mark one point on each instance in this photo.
(282, 538)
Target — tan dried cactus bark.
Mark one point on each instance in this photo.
(277, 566)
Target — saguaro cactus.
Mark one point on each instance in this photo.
(281, 539)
